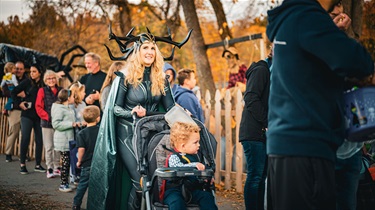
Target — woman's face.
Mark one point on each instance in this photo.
(34, 73)
(51, 81)
(148, 52)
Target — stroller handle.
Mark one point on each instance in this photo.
(176, 172)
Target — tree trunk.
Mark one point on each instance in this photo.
(198, 46)
(354, 8)
(221, 19)
(124, 15)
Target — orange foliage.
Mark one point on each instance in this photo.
(368, 30)
(249, 51)
(56, 34)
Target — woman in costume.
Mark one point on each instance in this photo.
(140, 88)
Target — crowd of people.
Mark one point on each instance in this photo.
(58, 115)
(292, 127)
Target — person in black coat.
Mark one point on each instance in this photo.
(252, 132)
(29, 118)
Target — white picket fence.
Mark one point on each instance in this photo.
(223, 120)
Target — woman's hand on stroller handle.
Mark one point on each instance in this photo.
(139, 111)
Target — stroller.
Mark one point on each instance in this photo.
(149, 143)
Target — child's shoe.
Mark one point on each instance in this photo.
(65, 188)
(50, 173)
(57, 172)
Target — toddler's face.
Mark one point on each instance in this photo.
(14, 70)
(192, 145)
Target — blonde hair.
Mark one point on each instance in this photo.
(91, 113)
(135, 68)
(180, 132)
(115, 67)
(76, 89)
(49, 73)
(8, 67)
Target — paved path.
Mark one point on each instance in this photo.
(36, 182)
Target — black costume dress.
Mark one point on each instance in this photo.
(113, 183)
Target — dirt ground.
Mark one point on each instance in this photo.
(35, 192)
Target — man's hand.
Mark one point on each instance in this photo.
(90, 99)
(78, 164)
(342, 21)
(95, 96)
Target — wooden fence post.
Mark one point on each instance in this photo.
(3, 125)
(228, 139)
(218, 136)
(239, 150)
(207, 113)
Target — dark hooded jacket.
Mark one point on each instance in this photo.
(311, 59)
(254, 115)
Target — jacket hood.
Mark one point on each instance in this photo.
(180, 90)
(289, 7)
(255, 65)
(168, 66)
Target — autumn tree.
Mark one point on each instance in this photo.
(17, 33)
(354, 8)
(198, 46)
(368, 32)
(221, 19)
(124, 12)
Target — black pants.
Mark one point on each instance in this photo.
(300, 183)
(65, 158)
(26, 126)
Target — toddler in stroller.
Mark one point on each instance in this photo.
(183, 185)
(184, 139)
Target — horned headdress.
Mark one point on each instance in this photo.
(126, 48)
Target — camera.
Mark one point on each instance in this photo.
(28, 105)
(93, 91)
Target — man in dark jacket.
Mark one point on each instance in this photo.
(93, 81)
(312, 56)
(253, 132)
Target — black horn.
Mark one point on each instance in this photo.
(124, 42)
